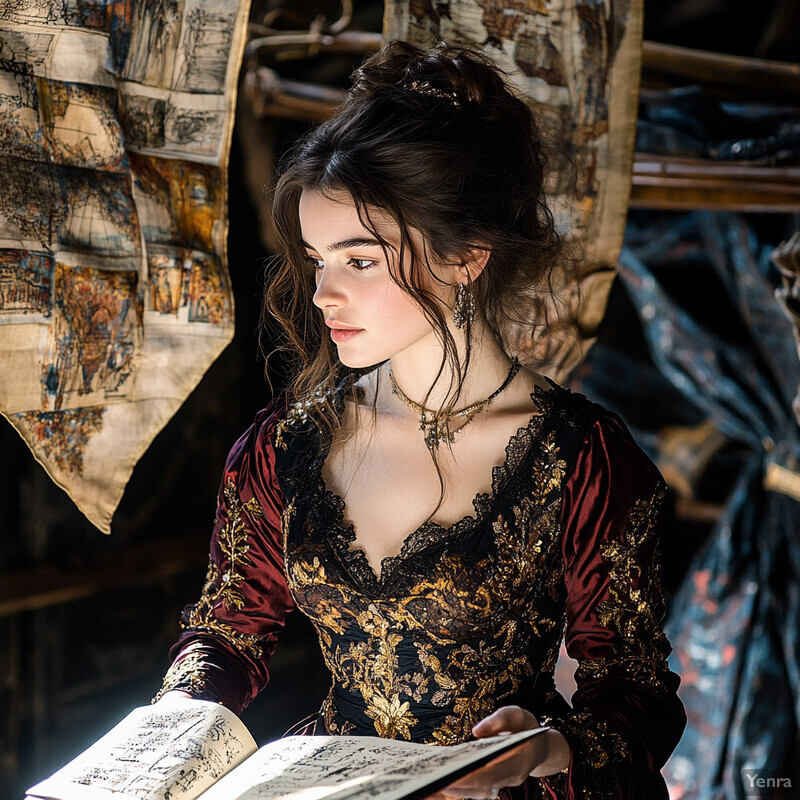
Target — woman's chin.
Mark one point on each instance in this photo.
(353, 361)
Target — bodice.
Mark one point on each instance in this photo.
(464, 619)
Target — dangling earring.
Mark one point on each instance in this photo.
(464, 308)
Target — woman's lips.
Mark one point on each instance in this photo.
(344, 334)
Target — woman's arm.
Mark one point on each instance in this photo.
(626, 717)
(230, 633)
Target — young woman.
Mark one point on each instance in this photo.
(443, 514)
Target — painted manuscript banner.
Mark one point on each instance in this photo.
(115, 121)
(578, 62)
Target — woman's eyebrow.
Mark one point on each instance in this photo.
(357, 241)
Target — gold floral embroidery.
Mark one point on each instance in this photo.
(393, 717)
(234, 542)
(448, 633)
(636, 603)
(328, 712)
(223, 588)
(297, 414)
(307, 575)
(601, 747)
(596, 749)
(548, 468)
(415, 686)
(188, 674)
(286, 521)
(446, 693)
(640, 670)
(365, 640)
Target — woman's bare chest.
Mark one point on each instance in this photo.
(390, 484)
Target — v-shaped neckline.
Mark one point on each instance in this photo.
(345, 534)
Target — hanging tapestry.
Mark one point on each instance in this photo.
(115, 123)
(578, 62)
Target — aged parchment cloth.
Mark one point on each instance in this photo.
(579, 62)
(115, 125)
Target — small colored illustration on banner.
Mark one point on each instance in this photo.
(94, 338)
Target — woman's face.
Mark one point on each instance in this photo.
(371, 318)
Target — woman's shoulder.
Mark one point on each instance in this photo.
(594, 434)
(266, 423)
(259, 436)
(568, 411)
(563, 405)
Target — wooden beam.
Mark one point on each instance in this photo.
(667, 197)
(663, 66)
(647, 164)
(734, 77)
(659, 182)
(669, 183)
(271, 96)
(302, 45)
(698, 511)
(686, 195)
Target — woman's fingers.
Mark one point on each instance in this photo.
(468, 794)
(509, 769)
(506, 719)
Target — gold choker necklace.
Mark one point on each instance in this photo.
(436, 425)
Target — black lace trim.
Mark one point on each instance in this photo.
(330, 507)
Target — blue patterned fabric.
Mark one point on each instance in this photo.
(735, 621)
(686, 121)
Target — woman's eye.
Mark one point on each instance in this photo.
(360, 264)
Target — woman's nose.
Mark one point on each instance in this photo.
(329, 291)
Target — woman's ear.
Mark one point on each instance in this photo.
(474, 260)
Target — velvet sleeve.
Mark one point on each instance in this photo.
(626, 718)
(231, 632)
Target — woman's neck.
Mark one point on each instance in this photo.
(415, 370)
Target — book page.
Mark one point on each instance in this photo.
(173, 750)
(354, 767)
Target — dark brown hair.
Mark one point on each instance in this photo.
(463, 166)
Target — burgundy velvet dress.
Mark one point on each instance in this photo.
(466, 618)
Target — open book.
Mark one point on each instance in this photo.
(185, 749)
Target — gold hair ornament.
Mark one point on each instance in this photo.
(424, 87)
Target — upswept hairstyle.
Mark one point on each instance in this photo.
(463, 166)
